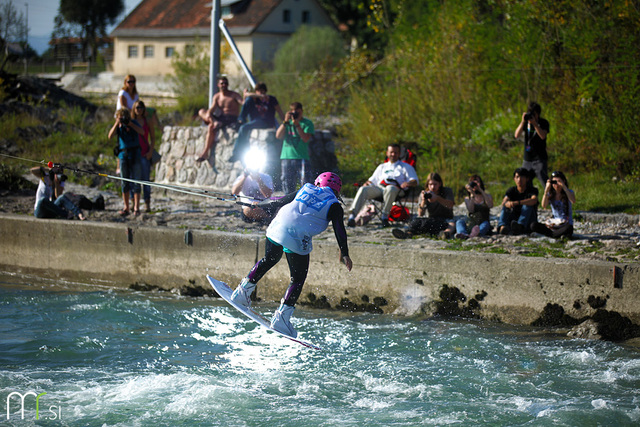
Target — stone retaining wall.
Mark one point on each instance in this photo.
(384, 279)
(181, 146)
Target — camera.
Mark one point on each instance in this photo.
(553, 181)
(428, 195)
(125, 120)
(294, 115)
(473, 184)
(528, 116)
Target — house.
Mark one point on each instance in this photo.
(153, 32)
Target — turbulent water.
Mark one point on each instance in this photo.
(124, 358)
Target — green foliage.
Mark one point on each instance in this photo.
(191, 77)
(308, 49)
(11, 178)
(457, 75)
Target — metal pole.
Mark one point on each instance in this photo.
(214, 62)
(235, 50)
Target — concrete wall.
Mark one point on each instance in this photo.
(396, 280)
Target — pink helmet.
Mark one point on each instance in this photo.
(329, 179)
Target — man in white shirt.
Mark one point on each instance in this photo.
(388, 181)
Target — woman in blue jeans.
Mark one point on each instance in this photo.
(478, 203)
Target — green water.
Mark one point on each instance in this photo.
(129, 359)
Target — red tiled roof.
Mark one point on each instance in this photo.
(186, 14)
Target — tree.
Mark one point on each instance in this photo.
(13, 26)
(93, 16)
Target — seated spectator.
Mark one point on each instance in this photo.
(258, 112)
(51, 187)
(561, 199)
(255, 185)
(224, 110)
(519, 206)
(437, 202)
(478, 203)
(390, 180)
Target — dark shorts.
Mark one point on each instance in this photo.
(225, 120)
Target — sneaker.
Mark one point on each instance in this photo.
(475, 231)
(281, 320)
(517, 228)
(242, 295)
(401, 234)
(385, 222)
(351, 222)
(462, 236)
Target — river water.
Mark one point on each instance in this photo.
(107, 357)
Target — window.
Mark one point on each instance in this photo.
(286, 16)
(306, 17)
(133, 51)
(148, 51)
(169, 51)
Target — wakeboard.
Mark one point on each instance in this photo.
(225, 293)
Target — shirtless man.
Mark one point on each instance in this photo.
(227, 103)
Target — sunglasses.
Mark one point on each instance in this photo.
(139, 108)
(131, 81)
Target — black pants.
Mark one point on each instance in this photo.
(298, 268)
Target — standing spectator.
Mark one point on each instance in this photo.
(129, 157)
(561, 199)
(147, 144)
(128, 94)
(437, 202)
(388, 181)
(535, 130)
(224, 110)
(296, 131)
(50, 202)
(478, 203)
(258, 112)
(255, 185)
(519, 205)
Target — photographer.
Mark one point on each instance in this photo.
(479, 204)
(296, 131)
(50, 202)
(256, 185)
(561, 199)
(519, 206)
(437, 202)
(129, 156)
(535, 130)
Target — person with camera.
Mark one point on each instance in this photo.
(535, 130)
(478, 203)
(519, 206)
(435, 211)
(561, 199)
(258, 186)
(258, 112)
(50, 200)
(296, 131)
(129, 156)
(388, 181)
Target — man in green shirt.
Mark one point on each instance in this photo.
(296, 131)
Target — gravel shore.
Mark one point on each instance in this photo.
(610, 237)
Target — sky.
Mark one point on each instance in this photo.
(41, 14)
